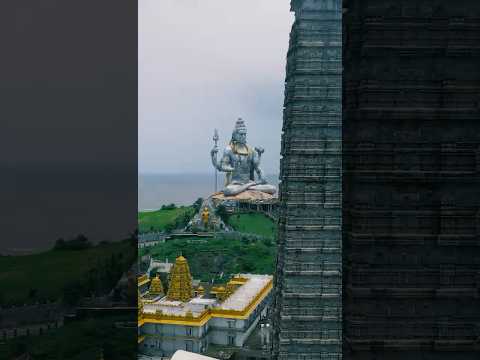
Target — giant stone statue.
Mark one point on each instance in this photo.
(240, 162)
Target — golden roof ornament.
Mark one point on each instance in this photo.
(156, 286)
(180, 281)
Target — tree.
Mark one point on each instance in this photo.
(79, 242)
(32, 293)
(59, 244)
(221, 212)
(169, 228)
(197, 204)
(171, 206)
(72, 293)
(267, 241)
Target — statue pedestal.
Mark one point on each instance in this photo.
(250, 200)
(246, 196)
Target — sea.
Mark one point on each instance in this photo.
(155, 190)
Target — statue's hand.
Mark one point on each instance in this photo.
(260, 150)
(261, 181)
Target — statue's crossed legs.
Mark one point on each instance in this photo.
(236, 188)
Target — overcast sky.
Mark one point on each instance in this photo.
(202, 64)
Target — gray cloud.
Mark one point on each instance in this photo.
(203, 63)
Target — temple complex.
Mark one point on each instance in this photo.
(308, 301)
(192, 317)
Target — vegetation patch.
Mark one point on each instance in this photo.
(166, 219)
(218, 258)
(253, 223)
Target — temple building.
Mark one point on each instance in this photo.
(191, 317)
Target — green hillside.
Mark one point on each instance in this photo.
(26, 279)
(159, 220)
(209, 258)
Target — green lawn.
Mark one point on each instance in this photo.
(157, 220)
(254, 223)
(210, 257)
(50, 271)
(78, 340)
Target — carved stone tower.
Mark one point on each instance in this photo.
(180, 281)
(308, 301)
(411, 131)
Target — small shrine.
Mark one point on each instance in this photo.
(156, 286)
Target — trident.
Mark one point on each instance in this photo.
(215, 140)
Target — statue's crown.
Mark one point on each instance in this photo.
(240, 125)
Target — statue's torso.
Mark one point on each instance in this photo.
(242, 165)
(243, 168)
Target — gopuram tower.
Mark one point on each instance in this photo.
(180, 281)
(308, 300)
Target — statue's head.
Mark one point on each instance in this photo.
(239, 134)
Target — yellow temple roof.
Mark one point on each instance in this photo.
(249, 292)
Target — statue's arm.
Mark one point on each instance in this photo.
(224, 163)
(257, 155)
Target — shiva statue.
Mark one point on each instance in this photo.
(240, 162)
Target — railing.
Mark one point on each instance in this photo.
(151, 236)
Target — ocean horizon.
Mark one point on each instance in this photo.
(157, 189)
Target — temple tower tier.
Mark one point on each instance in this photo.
(308, 300)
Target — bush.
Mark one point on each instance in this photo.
(80, 242)
(197, 204)
(221, 212)
(169, 207)
(169, 228)
(72, 293)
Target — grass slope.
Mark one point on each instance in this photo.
(50, 271)
(254, 223)
(157, 220)
(209, 258)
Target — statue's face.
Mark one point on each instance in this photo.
(240, 136)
